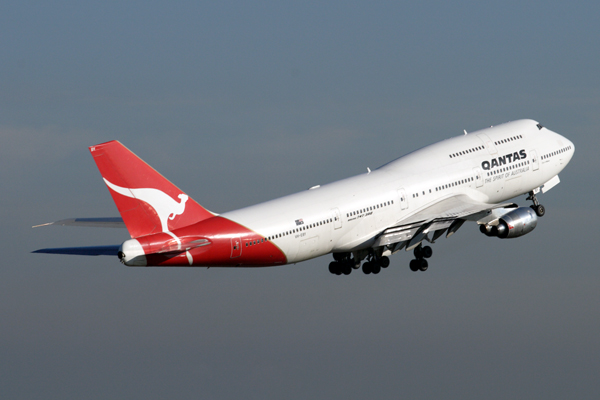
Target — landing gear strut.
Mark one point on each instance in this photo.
(420, 263)
(539, 209)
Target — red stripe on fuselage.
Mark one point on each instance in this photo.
(222, 234)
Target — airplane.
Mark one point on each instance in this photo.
(361, 220)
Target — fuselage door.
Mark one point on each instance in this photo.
(478, 177)
(236, 247)
(535, 163)
(337, 218)
(403, 199)
(487, 142)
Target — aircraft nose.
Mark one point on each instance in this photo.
(570, 147)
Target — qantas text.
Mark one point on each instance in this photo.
(507, 159)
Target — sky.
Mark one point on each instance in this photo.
(241, 102)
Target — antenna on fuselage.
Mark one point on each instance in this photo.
(465, 131)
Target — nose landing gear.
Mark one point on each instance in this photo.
(539, 209)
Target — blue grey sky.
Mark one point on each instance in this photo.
(241, 102)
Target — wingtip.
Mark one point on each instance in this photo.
(46, 224)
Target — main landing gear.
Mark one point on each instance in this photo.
(374, 266)
(539, 209)
(420, 263)
(343, 264)
(341, 267)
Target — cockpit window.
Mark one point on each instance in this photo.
(539, 126)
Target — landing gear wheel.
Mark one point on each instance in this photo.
(384, 262)
(540, 210)
(333, 267)
(376, 268)
(418, 252)
(366, 268)
(347, 269)
(427, 252)
(414, 265)
(423, 265)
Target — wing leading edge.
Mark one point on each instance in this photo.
(444, 216)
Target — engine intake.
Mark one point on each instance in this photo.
(514, 224)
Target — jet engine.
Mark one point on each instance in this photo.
(514, 224)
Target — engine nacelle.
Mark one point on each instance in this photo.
(514, 224)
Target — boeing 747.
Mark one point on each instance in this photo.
(402, 205)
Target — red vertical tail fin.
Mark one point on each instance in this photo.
(147, 201)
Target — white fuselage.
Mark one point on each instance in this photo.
(488, 166)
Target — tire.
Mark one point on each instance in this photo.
(347, 269)
(333, 266)
(376, 268)
(366, 268)
(414, 265)
(427, 252)
(423, 265)
(384, 262)
(418, 252)
(540, 210)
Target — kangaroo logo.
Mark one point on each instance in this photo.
(165, 206)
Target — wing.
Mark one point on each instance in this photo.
(444, 216)
(110, 222)
(110, 250)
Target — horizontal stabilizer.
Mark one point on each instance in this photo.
(111, 250)
(109, 222)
